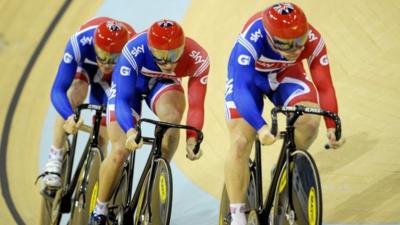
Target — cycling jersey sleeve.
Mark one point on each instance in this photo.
(320, 73)
(197, 88)
(125, 75)
(242, 66)
(65, 76)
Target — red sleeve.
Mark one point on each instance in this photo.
(197, 87)
(321, 76)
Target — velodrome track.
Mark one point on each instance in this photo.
(360, 181)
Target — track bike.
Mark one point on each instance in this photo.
(152, 200)
(78, 191)
(294, 195)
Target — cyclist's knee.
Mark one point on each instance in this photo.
(119, 154)
(240, 146)
(309, 125)
(173, 116)
(306, 132)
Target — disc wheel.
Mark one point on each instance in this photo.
(85, 201)
(161, 197)
(224, 217)
(306, 193)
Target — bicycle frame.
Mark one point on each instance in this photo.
(155, 153)
(92, 142)
(288, 147)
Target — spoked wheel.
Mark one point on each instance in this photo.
(84, 201)
(306, 193)
(51, 199)
(161, 197)
(251, 203)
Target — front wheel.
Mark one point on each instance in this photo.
(306, 193)
(161, 197)
(86, 189)
(251, 203)
(119, 200)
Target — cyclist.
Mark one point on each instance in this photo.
(88, 59)
(151, 67)
(267, 60)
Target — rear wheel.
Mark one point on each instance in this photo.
(306, 193)
(161, 199)
(51, 199)
(84, 201)
(251, 203)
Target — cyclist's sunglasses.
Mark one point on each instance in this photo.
(288, 45)
(162, 57)
(104, 57)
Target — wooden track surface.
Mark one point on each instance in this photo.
(23, 23)
(360, 182)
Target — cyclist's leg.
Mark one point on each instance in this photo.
(306, 127)
(167, 101)
(295, 89)
(103, 139)
(76, 95)
(110, 168)
(112, 164)
(237, 174)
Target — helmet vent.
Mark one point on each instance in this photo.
(166, 24)
(113, 26)
(283, 8)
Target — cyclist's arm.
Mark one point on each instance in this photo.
(124, 76)
(197, 87)
(244, 73)
(320, 73)
(65, 76)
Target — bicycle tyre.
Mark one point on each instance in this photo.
(83, 203)
(50, 203)
(224, 217)
(118, 200)
(161, 203)
(306, 192)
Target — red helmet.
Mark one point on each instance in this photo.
(111, 36)
(285, 20)
(165, 35)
